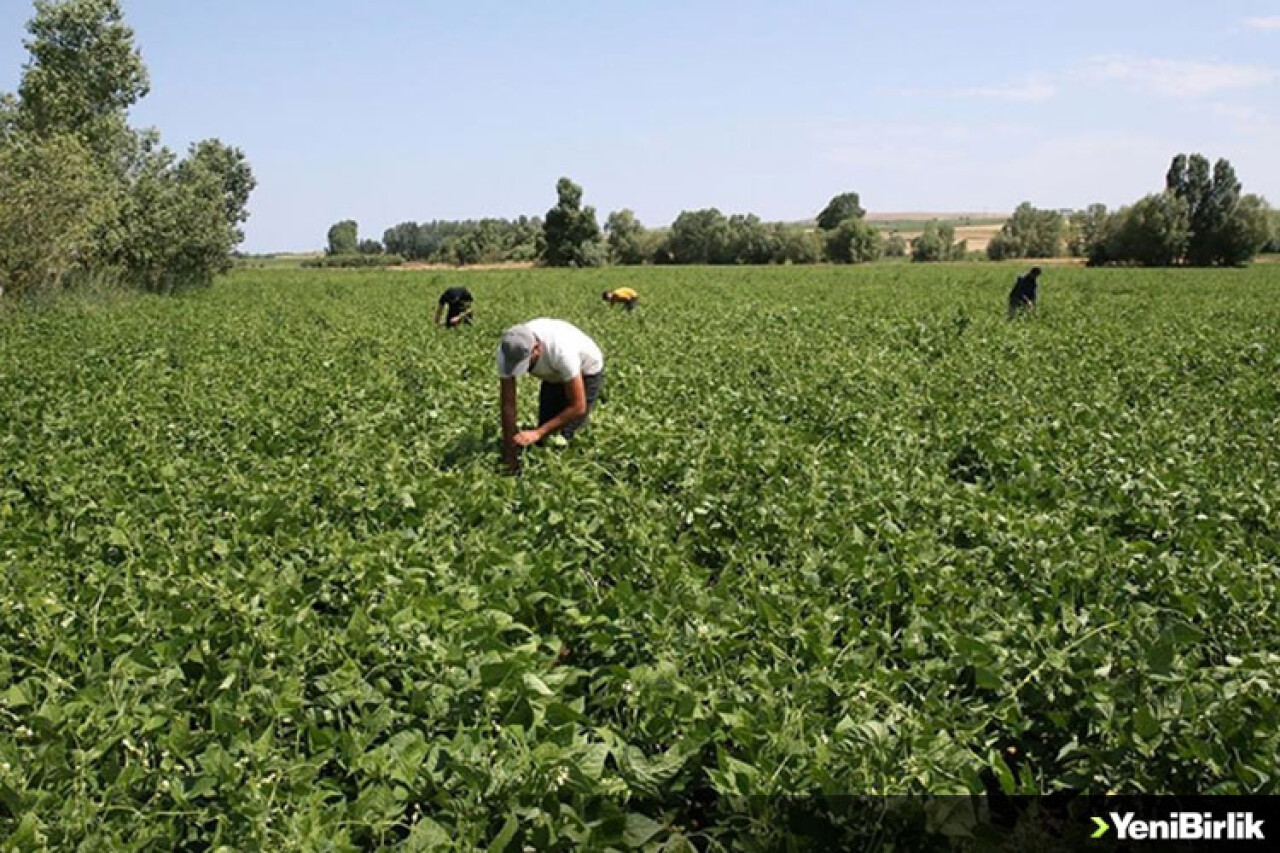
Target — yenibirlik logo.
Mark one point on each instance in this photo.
(1183, 826)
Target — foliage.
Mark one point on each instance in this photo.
(571, 234)
(626, 236)
(797, 246)
(895, 245)
(84, 196)
(262, 587)
(359, 259)
(231, 169)
(840, 208)
(175, 229)
(83, 74)
(1154, 232)
(1086, 231)
(1028, 233)
(1224, 229)
(54, 203)
(854, 241)
(471, 241)
(1273, 236)
(370, 247)
(700, 237)
(343, 238)
(937, 243)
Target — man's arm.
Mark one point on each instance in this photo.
(507, 402)
(576, 391)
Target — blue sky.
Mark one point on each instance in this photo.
(391, 110)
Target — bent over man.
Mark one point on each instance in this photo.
(458, 301)
(571, 368)
(623, 295)
(1023, 296)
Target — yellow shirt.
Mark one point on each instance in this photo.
(624, 293)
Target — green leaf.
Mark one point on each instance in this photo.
(640, 829)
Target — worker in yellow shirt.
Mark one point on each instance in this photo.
(623, 295)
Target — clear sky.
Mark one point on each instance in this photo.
(390, 110)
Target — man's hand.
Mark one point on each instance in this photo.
(526, 437)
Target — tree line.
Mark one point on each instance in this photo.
(1202, 218)
(569, 235)
(83, 196)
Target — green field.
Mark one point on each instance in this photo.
(832, 530)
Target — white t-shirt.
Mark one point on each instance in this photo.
(566, 351)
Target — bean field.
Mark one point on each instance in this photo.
(263, 583)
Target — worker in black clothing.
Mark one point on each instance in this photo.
(1023, 296)
(458, 302)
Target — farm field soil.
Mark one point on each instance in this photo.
(831, 531)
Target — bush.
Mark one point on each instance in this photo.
(1154, 232)
(1028, 233)
(53, 202)
(356, 260)
(895, 246)
(937, 243)
(854, 241)
(797, 246)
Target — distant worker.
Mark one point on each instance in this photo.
(458, 301)
(571, 368)
(624, 296)
(1023, 296)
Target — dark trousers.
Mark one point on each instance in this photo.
(553, 399)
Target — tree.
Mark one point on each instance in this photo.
(369, 246)
(1246, 232)
(1273, 240)
(83, 75)
(749, 241)
(1155, 231)
(176, 231)
(699, 237)
(1222, 229)
(234, 176)
(796, 245)
(344, 238)
(54, 201)
(110, 198)
(937, 243)
(895, 246)
(1086, 231)
(570, 231)
(854, 241)
(1028, 233)
(626, 238)
(842, 207)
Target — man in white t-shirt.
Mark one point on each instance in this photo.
(571, 368)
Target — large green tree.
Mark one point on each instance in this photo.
(938, 243)
(83, 191)
(1155, 232)
(700, 237)
(343, 238)
(1086, 231)
(83, 74)
(571, 232)
(854, 241)
(54, 203)
(844, 206)
(1028, 233)
(234, 176)
(1223, 229)
(627, 241)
